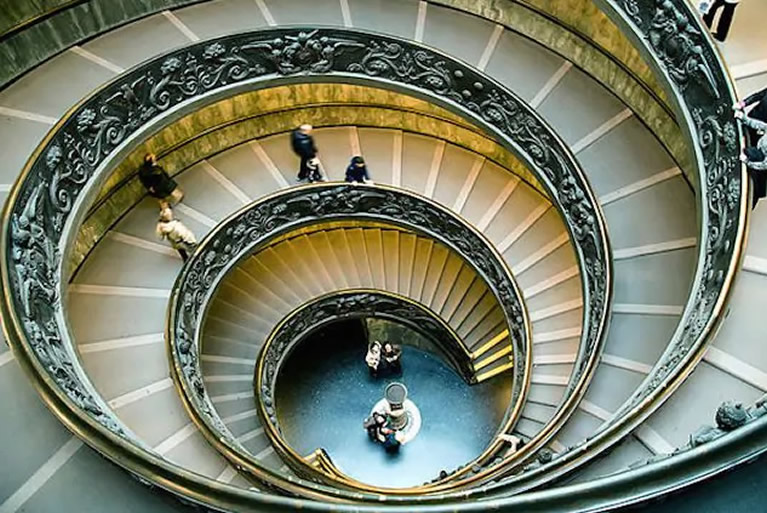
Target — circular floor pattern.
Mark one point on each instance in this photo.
(331, 392)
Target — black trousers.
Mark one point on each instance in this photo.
(725, 20)
(307, 172)
(184, 250)
(759, 183)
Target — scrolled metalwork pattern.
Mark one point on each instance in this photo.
(676, 43)
(257, 224)
(72, 160)
(330, 308)
(685, 54)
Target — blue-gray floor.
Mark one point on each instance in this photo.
(330, 392)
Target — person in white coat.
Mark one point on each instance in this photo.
(174, 231)
(373, 357)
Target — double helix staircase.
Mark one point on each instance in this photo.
(117, 300)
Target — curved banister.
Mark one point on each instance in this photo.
(679, 47)
(52, 195)
(313, 315)
(260, 223)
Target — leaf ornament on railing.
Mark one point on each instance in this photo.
(305, 52)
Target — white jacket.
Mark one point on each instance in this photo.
(175, 232)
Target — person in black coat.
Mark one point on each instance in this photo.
(357, 171)
(391, 441)
(157, 181)
(758, 103)
(391, 355)
(303, 145)
(373, 426)
(753, 157)
(725, 20)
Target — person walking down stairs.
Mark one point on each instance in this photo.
(303, 145)
(174, 231)
(757, 105)
(755, 157)
(158, 183)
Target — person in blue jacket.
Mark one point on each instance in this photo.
(357, 171)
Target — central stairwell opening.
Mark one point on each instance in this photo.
(324, 391)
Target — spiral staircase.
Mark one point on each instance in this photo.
(557, 208)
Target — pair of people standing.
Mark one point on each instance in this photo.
(161, 186)
(383, 359)
(309, 170)
(380, 431)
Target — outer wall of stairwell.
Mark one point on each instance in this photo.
(631, 311)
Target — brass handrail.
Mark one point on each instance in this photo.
(258, 225)
(313, 315)
(51, 196)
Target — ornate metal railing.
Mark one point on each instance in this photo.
(258, 224)
(41, 205)
(47, 204)
(678, 46)
(327, 309)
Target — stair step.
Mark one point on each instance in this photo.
(481, 310)
(433, 273)
(374, 245)
(338, 241)
(356, 239)
(391, 241)
(473, 296)
(407, 248)
(450, 273)
(423, 249)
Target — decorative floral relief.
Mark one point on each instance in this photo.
(683, 52)
(106, 120)
(305, 52)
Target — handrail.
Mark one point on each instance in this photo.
(38, 18)
(680, 48)
(52, 195)
(312, 316)
(257, 225)
(713, 134)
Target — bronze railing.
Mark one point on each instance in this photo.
(321, 311)
(53, 194)
(260, 223)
